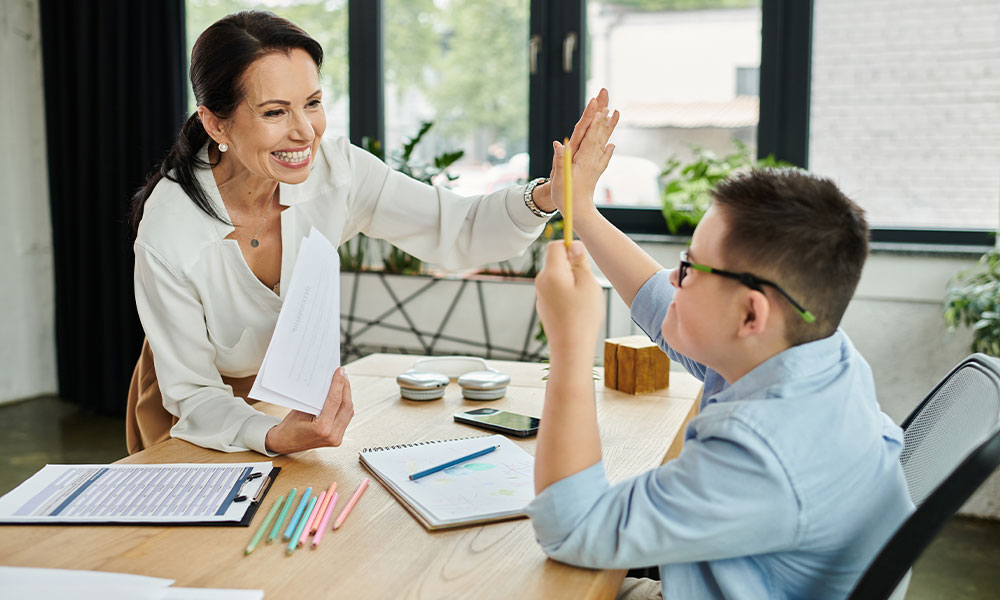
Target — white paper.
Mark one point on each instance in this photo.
(496, 485)
(130, 493)
(178, 593)
(304, 351)
(59, 584)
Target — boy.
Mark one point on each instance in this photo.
(789, 481)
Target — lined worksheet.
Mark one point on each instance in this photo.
(304, 350)
(170, 493)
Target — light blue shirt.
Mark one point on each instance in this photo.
(788, 484)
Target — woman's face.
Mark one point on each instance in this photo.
(275, 132)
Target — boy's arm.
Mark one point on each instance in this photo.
(570, 307)
(620, 259)
(727, 495)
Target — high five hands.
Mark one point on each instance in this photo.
(591, 155)
(597, 108)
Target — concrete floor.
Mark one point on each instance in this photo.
(962, 563)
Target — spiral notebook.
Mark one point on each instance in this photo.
(493, 487)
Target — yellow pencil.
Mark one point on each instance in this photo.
(567, 193)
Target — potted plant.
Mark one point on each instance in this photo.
(687, 189)
(973, 300)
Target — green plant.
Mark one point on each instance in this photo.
(355, 252)
(687, 190)
(973, 300)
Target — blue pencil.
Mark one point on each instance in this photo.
(294, 543)
(298, 514)
(452, 463)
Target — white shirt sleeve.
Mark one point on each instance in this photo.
(434, 223)
(192, 388)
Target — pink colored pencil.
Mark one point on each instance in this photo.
(326, 519)
(312, 517)
(350, 504)
(322, 509)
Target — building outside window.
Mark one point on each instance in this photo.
(905, 114)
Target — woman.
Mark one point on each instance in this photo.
(218, 228)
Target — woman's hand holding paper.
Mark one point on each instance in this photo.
(301, 431)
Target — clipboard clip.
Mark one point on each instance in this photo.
(241, 497)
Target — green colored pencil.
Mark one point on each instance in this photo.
(263, 526)
(284, 512)
(302, 525)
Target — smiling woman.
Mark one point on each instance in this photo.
(219, 223)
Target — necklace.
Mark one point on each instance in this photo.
(253, 239)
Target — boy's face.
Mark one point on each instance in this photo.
(704, 316)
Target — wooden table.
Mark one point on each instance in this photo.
(381, 551)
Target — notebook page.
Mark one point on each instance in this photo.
(497, 484)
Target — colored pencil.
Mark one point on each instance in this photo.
(263, 526)
(322, 509)
(298, 515)
(293, 543)
(567, 193)
(350, 504)
(313, 517)
(284, 511)
(326, 519)
(451, 463)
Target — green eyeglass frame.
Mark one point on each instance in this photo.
(751, 281)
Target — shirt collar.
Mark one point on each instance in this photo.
(767, 379)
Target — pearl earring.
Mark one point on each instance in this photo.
(223, 147)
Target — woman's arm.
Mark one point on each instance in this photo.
(192, 388)
(436, 224)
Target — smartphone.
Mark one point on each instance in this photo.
(500, 420)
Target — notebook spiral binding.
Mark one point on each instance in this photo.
(424, 443)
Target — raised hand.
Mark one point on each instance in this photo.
(591, 156)
(568, 299)
(302, 431)
(596, 110)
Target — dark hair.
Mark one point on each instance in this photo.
(219, 59)
(800, 231)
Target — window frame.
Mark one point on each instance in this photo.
(556, 98)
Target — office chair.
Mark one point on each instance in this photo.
(951, 445)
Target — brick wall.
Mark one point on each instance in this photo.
(906, 108)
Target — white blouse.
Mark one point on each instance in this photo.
(206, 314)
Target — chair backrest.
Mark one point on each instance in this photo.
(951, 445)
(961, 411)
(922, 526)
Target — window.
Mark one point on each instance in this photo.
(904, 114)
(897, 110)
(748, 81)
(462, 64)
(669, 66)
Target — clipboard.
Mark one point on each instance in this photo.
(68, 495)
(255, 503)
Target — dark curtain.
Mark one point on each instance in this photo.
(115, 97)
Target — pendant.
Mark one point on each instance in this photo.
(254, 243)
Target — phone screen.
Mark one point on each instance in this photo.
(500, 420)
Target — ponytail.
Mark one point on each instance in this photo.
(179, 166)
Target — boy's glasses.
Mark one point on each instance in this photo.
(751, 281)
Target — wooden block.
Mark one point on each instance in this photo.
(610, 364)
(640, 365)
